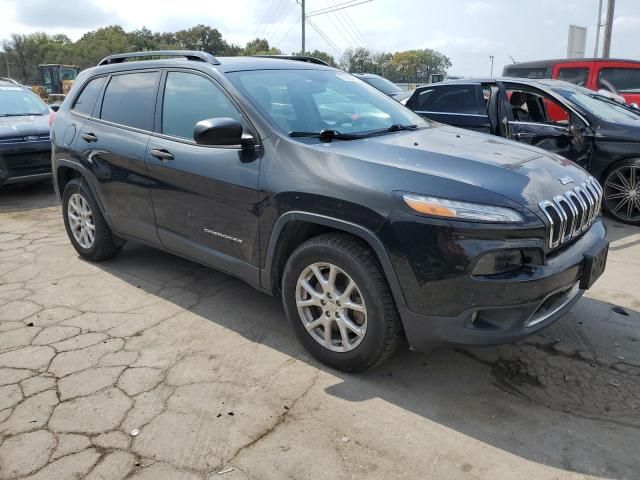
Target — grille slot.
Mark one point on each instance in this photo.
(572, 213)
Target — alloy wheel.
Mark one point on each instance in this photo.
(331, 307)
(622, 193)
(81, 221)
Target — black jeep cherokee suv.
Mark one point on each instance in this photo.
(372, 223)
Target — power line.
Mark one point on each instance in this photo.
(346, 15)
(345, 29)
(338, 6)
(275, 24)
(262, 27)
(324, 37)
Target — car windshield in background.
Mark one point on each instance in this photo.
(17, 101)
(383, 85)
(319, 100)
(599, 106)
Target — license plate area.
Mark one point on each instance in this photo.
(595, 261)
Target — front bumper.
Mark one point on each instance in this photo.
(453, 306)
(25, 162)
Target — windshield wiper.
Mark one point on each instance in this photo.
(326, 134)
(396, 127)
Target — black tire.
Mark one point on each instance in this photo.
(384, 332)
(614, 187)
(105, 244)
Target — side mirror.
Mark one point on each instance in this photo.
(221, 131)
(55, 107)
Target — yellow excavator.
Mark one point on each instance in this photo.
(55, 81)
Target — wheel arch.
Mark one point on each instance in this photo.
(284, 240)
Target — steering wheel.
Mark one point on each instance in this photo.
(347, 119)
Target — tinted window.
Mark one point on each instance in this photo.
(130, 99)
(577, 76)
(625, 80)
(467, 99)
(87, 99)
(383, 85)
(189, 98)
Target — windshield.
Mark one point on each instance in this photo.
(599, 106)
(17, 101)
(383, 85)
(317, 100)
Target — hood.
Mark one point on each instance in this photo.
(524, 174)
(11, 127)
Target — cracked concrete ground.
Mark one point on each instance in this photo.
(208, 373)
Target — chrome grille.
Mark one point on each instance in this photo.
(572, 213)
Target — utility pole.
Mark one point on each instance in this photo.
(491, 58)
(598, 26)
(304, 20)
(608, 28)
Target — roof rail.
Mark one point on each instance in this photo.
(188, 54)
(299, 58)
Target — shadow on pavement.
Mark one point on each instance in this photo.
(568, 398)
(32, 196)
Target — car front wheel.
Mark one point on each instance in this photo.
(622, 192)
(339, 303)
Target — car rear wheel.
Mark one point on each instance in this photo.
(339, 303)
(622, 192)
(86, 227)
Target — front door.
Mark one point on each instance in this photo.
(537, 119)
(113, 143)
(205, 197)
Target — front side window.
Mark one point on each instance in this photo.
(87, 99)
(130, 99)
(625, 80)
(190, 98)
(17, 101)
(577, 76)
(315, 100)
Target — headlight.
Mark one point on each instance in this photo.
(442, 207)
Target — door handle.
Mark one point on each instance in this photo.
(525, 135)
(89, 137)
(161, 154)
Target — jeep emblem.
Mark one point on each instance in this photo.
(565, 180)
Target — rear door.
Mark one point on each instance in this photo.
(205, 197)
(461, 105)
(566, 134)
(113, 144)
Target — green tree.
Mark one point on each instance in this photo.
(323, 56)
(417, 65)
(205, 38)
(260, 46)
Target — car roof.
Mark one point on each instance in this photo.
(548, 63)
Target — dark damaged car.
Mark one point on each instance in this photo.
(372, 224)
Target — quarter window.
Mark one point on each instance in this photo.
(87, 99)
(190, 98)
(130, 99)
(577, 76)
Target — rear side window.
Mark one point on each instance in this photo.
(577, 76)
(523, 72)
(130, 99)
(625, 80)
(87, 99)
(464, 99)
(190, 98)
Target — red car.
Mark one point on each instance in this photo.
(621, 77)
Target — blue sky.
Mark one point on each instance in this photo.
(468, 31)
